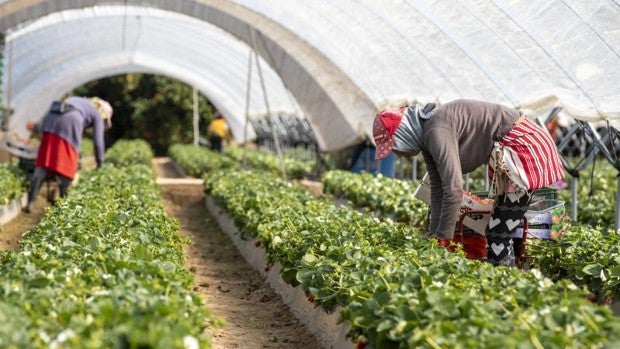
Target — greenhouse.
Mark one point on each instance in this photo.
(293, 235)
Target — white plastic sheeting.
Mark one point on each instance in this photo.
(341, 60)
(512, 52)
(45, 63)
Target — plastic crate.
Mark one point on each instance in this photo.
(26, 165)
(548, 193)
(540, 219)
(476, 222)
(474, 245)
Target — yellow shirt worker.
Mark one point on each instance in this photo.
(217, 132)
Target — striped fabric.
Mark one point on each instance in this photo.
(527, 156)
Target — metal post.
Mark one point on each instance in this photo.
(247, 108)
(414, 169)
(274, 134)
(1, 74)
(617, 224)
(195, 115)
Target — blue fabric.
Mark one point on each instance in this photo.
(366, 162)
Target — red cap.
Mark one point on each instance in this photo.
(383, 129)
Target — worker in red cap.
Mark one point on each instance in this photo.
(457, 138)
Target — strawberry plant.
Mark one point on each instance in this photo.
(103, 269)
(596, 196)
(586, 255)
(389, 197)
(12, 182)
(129, 152)
(264, 161)
(195, 161)
(398, 289)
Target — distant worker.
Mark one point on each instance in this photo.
(61, 132)
(217, 132)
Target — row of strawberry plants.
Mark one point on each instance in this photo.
(389, 197)
(104, 268)
(127, 152)
(261, 160)
(596, 196)
(398, 289)
(12, 182)
(197, 160)
(586, 255)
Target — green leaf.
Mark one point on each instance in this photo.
(309, 259)
(592, 270)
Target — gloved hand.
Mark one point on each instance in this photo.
(444, 242)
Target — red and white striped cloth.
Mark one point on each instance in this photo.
(527, 156)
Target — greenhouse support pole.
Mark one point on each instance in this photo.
(274, 134)
(617, 222)
(1, 74)
(247, 108)
(195, 115)
(414, 169)
(573, 198)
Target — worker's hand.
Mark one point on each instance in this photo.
(30, 125)
(449, 244)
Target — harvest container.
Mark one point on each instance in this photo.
(540, 219)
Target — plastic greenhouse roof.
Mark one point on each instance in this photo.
(335, 62)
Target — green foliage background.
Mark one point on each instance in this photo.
(155, 108)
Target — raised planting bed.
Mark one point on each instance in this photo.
(12, 209)
(13, 188)
(322, 324)
(103, 269)
(395, 288)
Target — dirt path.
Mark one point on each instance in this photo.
(11, 232)
(254, 316)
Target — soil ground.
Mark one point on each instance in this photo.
(251, 314)
(11, 232)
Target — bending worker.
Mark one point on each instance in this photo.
(457, 138)
(61, 134)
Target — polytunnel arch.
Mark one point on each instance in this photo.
(106, 66)
(328, 99)
(94, 62)
(342, 60)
